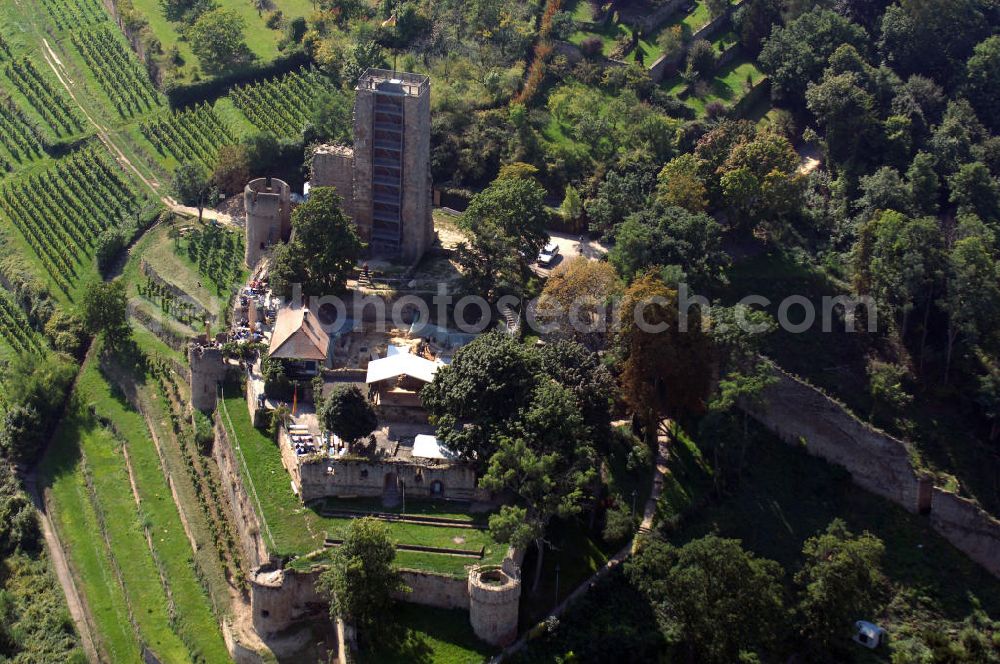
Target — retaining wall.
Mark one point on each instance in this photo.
(800, 414)
(252, 547)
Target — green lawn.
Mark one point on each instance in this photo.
(263, 41)
(429, 635)
(175, 622)
(727, 86)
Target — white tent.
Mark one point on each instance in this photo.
(401, 363)
(428, 447)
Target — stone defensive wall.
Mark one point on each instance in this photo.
(800, 414)
(252, 547)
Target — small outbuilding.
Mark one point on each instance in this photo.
(299, 339)
(397, 378)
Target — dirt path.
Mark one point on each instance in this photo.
(154, 186)
(77, 610)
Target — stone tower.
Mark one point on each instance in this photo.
(208, 369)
(268, 206)
(386, 179)
(493, 604)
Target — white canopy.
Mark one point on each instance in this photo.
(428, 447)
(399, 363)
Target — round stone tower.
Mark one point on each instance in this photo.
(493, 604)
(208, 369)
(268, 204)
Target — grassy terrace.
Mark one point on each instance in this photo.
(297, 530)
(430, 635)
(87, 477)
(727, 86)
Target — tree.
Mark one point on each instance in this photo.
(332, 119)
(975, 191)
(110, 245)
(34, 409)
(923, 184)
(232, 169)
(972, 294)
(679, 183)
(665, 370)
(840, 582)
(797, 53)
(347, 413)
(574, 300)
(618, 195)
(717, 8)
(663, 236)
(191, 185)
(505, 224)
(713, 598)
(982, 81)
(547, 467)
(105, 312)
(571, 208)
(754, 21)
(471, 400)
(581, 372)
(760, 182)
(19, 530)
(217, 40)
(323, 250)
(363, 577)
(885, 384)
(65, 331)
(847, 113)
(700, 60)
(882, 190)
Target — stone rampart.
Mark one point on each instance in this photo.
(801, 414)
(252, 547)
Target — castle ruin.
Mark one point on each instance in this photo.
(269, 216)
(385, 179)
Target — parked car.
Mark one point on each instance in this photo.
(548, 254)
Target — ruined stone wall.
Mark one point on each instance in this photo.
(800, 414)
(333, 166)
(443, 592)
(282, 598)
(252, 548)
(968, 527)
(324, 477)
(494, 597)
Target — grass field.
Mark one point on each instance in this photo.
(174, 620)
(429, 635)
(263, 42)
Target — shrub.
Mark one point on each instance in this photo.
(274, 20)
(591, 47)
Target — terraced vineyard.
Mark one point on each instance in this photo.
(281, 106)
(192, 134)
(14, 328)
(18, 141)
(61, 211)
(117, 71)
(5, 53)
(48, 100)
(67, 14)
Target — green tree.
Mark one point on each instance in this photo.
(982, 74)
(323, 250)
(218, 41)
(347, 413)
(18, 524)
(362, 579)
(846, 112)
(714, 599)
(679, 183)
(975, 191)
(660, 235)
(32, 412)
(571, 208)
(755, 20)
(923, 184)
(797, 53)
(840, 582)
(505, 224)
(471, 400)
(232, 169)
(882, 190)
(972, 294)
(547, 467)
(885, 384)
(192, 186)
(700, 60)
(105, 312)
(332, 119)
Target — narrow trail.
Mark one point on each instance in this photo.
(77, 609)
(104, 135)
(663, 438)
